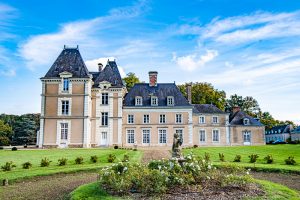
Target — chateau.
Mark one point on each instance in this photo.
(89, 109)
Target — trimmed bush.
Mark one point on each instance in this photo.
(111, 158)
(206, 157)
(253, 158)
(221, 157)
(62, 161)
(45, 162)
(125, 158)
(14, 149)
(237, 158)
(195, 146)
(94, 159)
(27, 165)
(290, 160)
(1, 147)
(8, 166)
(79, 160)
(116, 147)
(269, 159)
(134, 149)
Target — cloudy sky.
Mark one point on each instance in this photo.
(248, 47)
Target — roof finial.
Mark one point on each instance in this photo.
(77, 46)
(64, 46)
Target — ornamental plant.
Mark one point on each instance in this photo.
(253, 158)
(26, 165)
(221, 157)
(111, 158)
(269, 159)
(79, 160)
(94, 159)
(125, 158)
(8, 166)
(290, 160)
(62, 161)
(237, 158)
(45, 162)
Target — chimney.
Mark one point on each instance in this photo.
(152, 78)
(100, 67)
(189, 92)
(236, 109)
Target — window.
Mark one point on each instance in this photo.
(130, 119)
(64, 127)
(246, 121)
(146, 119)
(104, 100)
(162, 134)
(138, 101)
(65, 107)
(170, 101)
(146, 136)
(215, 120)
(178, 118)
(180, 133)
(216, 136)
(247, 136)
(66, 84)
(162, 119)
(154, 101)
(130, 136)
(202, 120)
(202, 135)
(104, 119)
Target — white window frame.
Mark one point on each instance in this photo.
(204, 131)
(59, 107)
(246, 121)
(148, 119)
(143, 141)
(212, 136)
(249, 135)
(202, 116)
(129, 132)
(154, 98)
(170, 101)
(130, 119)
(138, 101)
(181, 118)
(178, 130)
(212, 120)
(103, 119)
(59, 140)
(104, 98)
(160, 117)
(66, 85)
(161, 133)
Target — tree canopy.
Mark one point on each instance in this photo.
(248, 104)
(130, 80)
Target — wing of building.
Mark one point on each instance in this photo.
(87, 109)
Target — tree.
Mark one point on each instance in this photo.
(25, 131)
(205, 93)
(130, 80)
(247, 104)
(5, 133)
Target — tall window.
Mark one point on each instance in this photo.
(130, 119)
(65, 107)
(202, 135)
(216, 136)
(162, 119)
(170, 101)
(64, 129)
(130, 136)
(146, 136)
(215, 120)
(104, 118)
(162, 134)
(146, 119)
(66, 84)
(138, 101)
(104, 99)
(180, 133)
(202, 120)
(178, 118)
(154, 101)
(247, 136)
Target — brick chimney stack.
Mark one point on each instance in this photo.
(189, 92)
(236, 109)
(152, 78)
(100, 67)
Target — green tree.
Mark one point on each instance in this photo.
(247, 104)
(5, 133)
(205, 93)
(25, 131)
(130, 80)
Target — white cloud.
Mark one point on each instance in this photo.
(92, 65)
(194, 61)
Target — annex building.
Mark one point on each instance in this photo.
(89, 109)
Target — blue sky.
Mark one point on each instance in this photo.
(249, 47)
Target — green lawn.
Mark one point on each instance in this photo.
(279, 153)
(35, 156)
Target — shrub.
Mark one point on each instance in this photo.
(195, 146)
(134, 149)
(269, 159)
(237, 158)
(94, 159)
(8, 166)
(206, 157)
(221, 157)
(79, 160)
(111, 158)
(14, 149)
(253, 158)
(290, 160)
(25, 146)
(116, 147)
(125, 158)
(45, 162)
(62, 161)
(1, 147)
(27, 165)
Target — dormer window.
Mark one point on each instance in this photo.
(138, 101)
(279, 131)
(154, 101)
(246, 121)
(170, 101)
(65, 84)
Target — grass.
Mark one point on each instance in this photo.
(274, 191)
(35, 156)
(279, 153)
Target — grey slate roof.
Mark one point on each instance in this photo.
(206, 108)
(71, 61)
(282, 128)
(162, 91)
(238, 119)
(110, 74)
(296, 130)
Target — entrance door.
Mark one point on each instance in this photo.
(103, 140)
